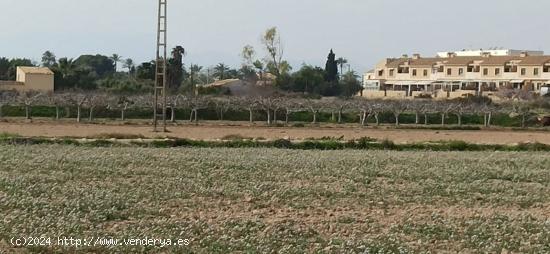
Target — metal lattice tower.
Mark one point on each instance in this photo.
(160, 75)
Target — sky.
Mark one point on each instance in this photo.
(215, 31)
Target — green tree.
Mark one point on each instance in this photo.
(129, 64)
(14, 63)
(248, 54)
(116, 59)
(220, 71)
(308, 80)
(146, 70)
(260, 67)
(194, 77)
(65, 74)
(341, 62)
(331, 68)
(273, 45)
(350, 85)
(4, 67)
(48, 59)
(96, 65)
(175, 70)
(66, 67)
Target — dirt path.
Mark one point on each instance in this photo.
(211, 132)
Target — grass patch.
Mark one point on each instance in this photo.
(6, 135)
(116, 136)
(329, 144)
(233, 137)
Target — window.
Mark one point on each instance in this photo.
(392, 72)
(460, 71)
(414, 72)
(485, 71)
(425, 73)
(510, 68)
(449, 72)
(497, 71)
(381, 73)
(536, 71)
(523, 71)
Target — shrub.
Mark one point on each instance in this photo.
(388, 145)
(116, 136)
(232, 137)
(282, 143)
(458, 146)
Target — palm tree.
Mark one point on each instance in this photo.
(260, 67)
(195, 70)
(341, 62)
(116, 59)
(129, 64)
(66, 66)
(178, 52)
(220, 70)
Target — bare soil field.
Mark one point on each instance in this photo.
(214, 131)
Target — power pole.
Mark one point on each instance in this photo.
(160, 73)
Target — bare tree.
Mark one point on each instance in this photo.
(315, 107)
(247, 103)
(6, 98)
(487, 109)
(340, 106)
(78, 99)
(27, 99)
(122, 103)
(461, 108)
(444, 108)
(146, 101)
(515, 94)
(398, 107)
(523, 110)
(378, 107)
(174, 102)
(268, 104)
(196, 103)
(94, 100)
(290, 105)
(365, 110)
(222, 105)
(56, 100)
(419, 107)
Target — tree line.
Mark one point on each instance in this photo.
(116, 74)
(278, 105)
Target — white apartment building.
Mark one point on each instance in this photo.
(454, 76)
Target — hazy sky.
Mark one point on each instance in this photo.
(213, 31)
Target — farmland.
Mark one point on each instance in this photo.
(276, 200)
(216, 130)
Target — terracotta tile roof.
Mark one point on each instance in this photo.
(465, 60)
(425, 61)
(535, 60)
(394, 63)
(499, 60)
(35, 70)
(461, 60)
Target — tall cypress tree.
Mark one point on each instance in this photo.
(331, 68)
